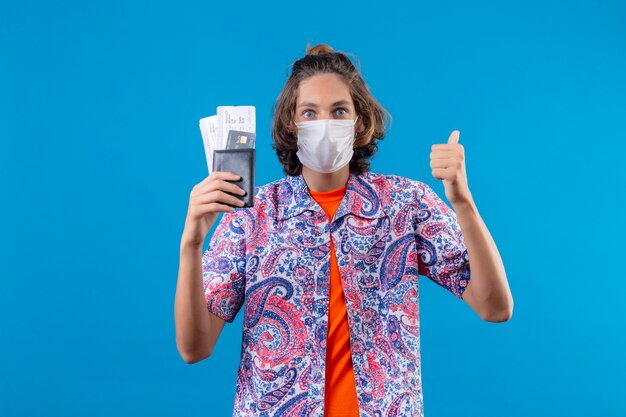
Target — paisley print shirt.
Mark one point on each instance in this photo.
(275, 256)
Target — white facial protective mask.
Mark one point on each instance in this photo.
(326, 145)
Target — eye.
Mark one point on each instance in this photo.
(305, 113)
(342, 110)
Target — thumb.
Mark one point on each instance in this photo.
(454, 137)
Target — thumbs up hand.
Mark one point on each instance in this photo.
(447, 162)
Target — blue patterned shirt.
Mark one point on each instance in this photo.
(275, 256)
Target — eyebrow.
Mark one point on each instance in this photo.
(336, 103)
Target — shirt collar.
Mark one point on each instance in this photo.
(366, 196)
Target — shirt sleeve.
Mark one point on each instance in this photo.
(224, 268)
(442, 252)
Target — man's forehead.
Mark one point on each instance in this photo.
(327, 92)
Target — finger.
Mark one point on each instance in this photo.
(442, 147)
(224, 197)
(442, 173)
(441, 163)
(223, 175)
(443, 153)
(229, 186)
(446, 146)
(219, 196)
(454, 137)
(226, 175)
(223, 185)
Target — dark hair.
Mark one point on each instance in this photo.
(372, 116)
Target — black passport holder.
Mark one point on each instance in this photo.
(241, 162)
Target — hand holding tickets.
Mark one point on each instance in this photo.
(215, 194)
(229, 145)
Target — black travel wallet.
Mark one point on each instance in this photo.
(241, 162)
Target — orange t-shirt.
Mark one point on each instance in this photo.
(340, 393)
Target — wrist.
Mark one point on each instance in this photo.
(190, 245)
(465, 205)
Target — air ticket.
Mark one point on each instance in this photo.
(217, 129)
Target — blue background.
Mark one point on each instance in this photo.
(99, 110)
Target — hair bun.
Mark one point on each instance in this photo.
(318, 49)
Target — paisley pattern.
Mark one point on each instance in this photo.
(275, 257)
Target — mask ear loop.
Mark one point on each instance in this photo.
(355, 133)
